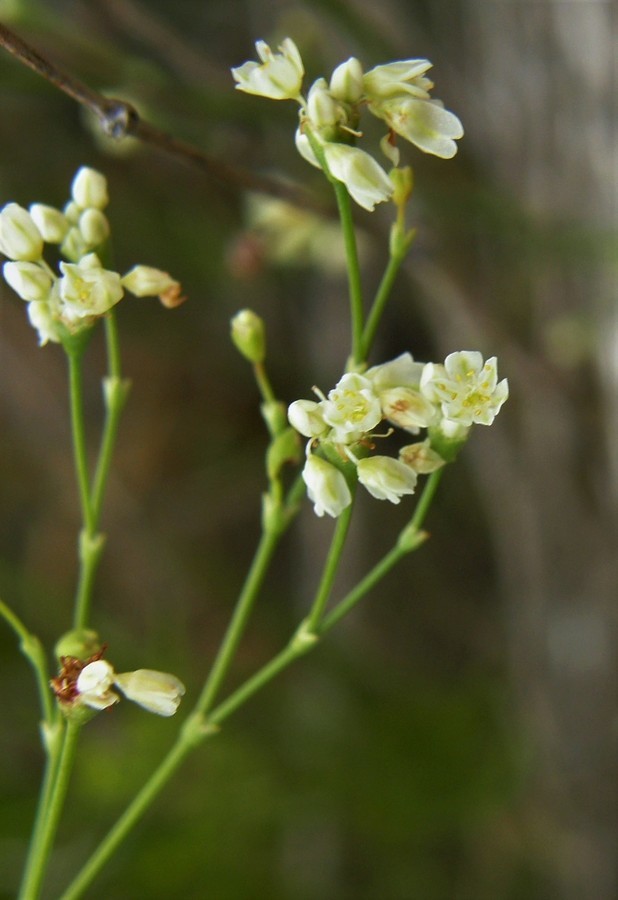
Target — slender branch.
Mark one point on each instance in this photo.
(330, 569)
(31, 647)
(120, 119)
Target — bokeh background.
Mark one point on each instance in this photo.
(455, 738)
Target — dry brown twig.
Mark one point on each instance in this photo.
(119, 119)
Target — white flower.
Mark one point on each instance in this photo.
(424, 123)
(322, 109)
(279, 75)
(29, 280)
(52, 224)
(352, 408)
(398, 93)
(89, 188)
(407, 408)
(466, 389)
(158, 692)
(86, 289)
(386, 478)
(94, 684)
(365, 179)
(399, 372)
(326, 487)
(405, 76)
(20, 239)
(421, 457)
(307, 417)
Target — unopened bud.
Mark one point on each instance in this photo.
(249, 336)
(94, 227)
(29, 280)
(52, 223)
(20, 239)
(89, 188)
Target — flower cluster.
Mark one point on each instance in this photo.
(398, 93)
(445, 399)
(89, 683)
(64, 305)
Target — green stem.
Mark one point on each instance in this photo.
(229, 645)
(31, 648)
(377, 308)
(410, 538)
(344, 206)
(130, 817)
(264, 386)
(79, 438)
(330, 569)
(54, 791)
(354, 280)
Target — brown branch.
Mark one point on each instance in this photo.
(119, 119)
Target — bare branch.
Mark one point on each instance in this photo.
(119, 119)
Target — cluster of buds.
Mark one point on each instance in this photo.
(398, 93)
(83, 685)
(59, 306)
(444, 399)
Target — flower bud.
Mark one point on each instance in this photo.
(43, 321)
(29, 280)
(346, 82)
(94, 227)
(89, 188)
(20, 239)
(421, 457)
(52, 223)
(326, 487)
(248, 335)
(74, 245)
(386, 478)
(146, 281)
(158, 692)
(321, 108)
(306, 416)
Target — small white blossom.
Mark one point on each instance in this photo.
(352, 408)
(279, 76)
(466, 389)
(399, 372)
(386, 478)
(407, 408)
(29, 280)
(87, 289)
(365, 179)
(158, 692)
(421, 457)
(424, 123)
(89, 189)
(20, 239)
(326, 487)
(94, 684)
(403, 77)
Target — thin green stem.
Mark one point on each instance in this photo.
(382, 294)
(426, 499)
(52, 800)
(198, 727)
(354, 279)
(129, 818)
(229, 645)
(330, 569)
(264, 386)
(79, 438)
(31, 648)
(344, 207)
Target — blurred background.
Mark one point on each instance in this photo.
(455, 737)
